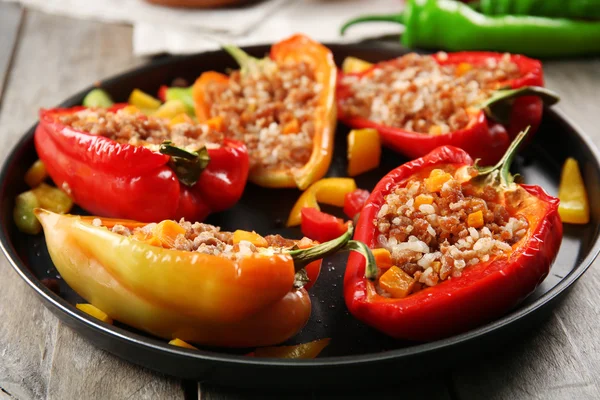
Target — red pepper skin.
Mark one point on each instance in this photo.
(162, 93)
(355, 201)
(123, 181)
(483, 292)
(321, 226)
(482, 138)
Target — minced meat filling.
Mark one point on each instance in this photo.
(272, 111)
(207, 239)
(435, 228)
(417, 94)
(137, 129)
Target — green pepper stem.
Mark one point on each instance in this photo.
(243, 59)
(187, 165)
(371, 269)
(502, 169)
(396, 18)
(499, 105)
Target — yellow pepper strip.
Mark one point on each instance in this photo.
(94, 312)
(143, 100)
(327, 191)
(53, 199)
(36, 174)
(181, 343)
(396, 282)
(364, 151)
(23, 214)
(299, 351)
(352, 65)
(574, 206)
(170, 109)
(251, 237)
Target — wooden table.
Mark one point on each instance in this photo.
(44, 59)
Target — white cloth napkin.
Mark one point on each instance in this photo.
(179, 31)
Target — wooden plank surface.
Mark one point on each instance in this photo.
(40, 357)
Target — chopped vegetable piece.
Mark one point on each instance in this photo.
(184, 95)
(364, 151)
(167, 231)
(436, 180)
(321, 226)
(36, 174)
(170, 109)
(475, 220)
(355, 201)
(97, 98)
(353, 65)
(330, 191)
(215, 123)
(143, 101)
(299, 351)
(574, 206)
(180, 119)
(383, 258)
(423, 199)
(251, 237)
(181, 343)
(23, 214)
(53, 199)
(397, 282)
(94, 312)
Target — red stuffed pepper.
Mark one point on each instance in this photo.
(456, 246)
(120, 163)
(470, 100)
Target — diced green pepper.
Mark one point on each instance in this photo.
(184, 95)
(97, 98)
(23, 215)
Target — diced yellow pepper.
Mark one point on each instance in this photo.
(364, 151)
(383, 258)
(574, 206)
(396, 282)
(170, 109)
(167, 231)
(181, 343)
(299, 351)
(422, 199)
(143, 100)
(352, 65)
(53, 199)
(251, 237)
(94, 312)
(23, 215)
(436, 180)
(475, 220)
(463, 68)
(182, 118)
(36, 174)
(327, 191)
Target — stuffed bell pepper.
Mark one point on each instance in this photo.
(477, 101)
(456, 246)
(190, 281)
(119, 162)
(282, 107)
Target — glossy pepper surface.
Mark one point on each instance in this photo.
(575, 9)
(111, 179)
(297, 48)
(484, 291)
(454, 26)
(483, 137)
(256, 300)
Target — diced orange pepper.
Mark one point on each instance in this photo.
(436, 180)
(422, 199)
(574, 207)
(463, 68)
(383, 258)
(475, 219)
(181, 118)
(167, 231)
(330, 191)
(251, 237)
(299, 351)
(291, 127)
(94, 312)
(36, 174)
(364, 151)
(435, 130)
(215, 123)
(181, 343)
(396, 282)
(352, 65)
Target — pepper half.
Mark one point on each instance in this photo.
(483, 137)
(125, 181)
(256, 299)
(297, 48)
(485, 290)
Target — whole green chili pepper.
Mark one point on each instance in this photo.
(576, 9)
(453, 26)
